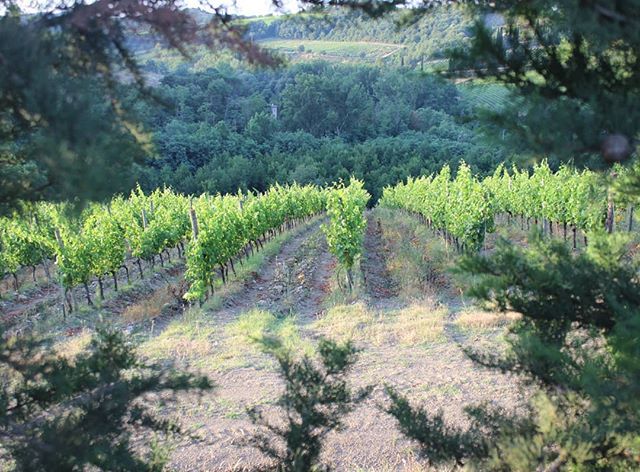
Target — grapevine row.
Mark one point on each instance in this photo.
(225, 226)
(346, 227)
(461, 208)
(464, 208)
(142, 227)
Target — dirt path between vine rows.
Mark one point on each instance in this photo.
(26, 311)
(379, 284)
(19, 314)
(292, 282)
(436, 375)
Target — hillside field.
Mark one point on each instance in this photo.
(302, 49)
(410, 320)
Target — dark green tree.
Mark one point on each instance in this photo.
(380, 125)
(316, 400)
(575, 345)
(65, 131)
(573, 70)
(70, 414)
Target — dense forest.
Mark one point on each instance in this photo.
(219, 126)
(216, 130)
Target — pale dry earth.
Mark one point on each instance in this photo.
(436, 375)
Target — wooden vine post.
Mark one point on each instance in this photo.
(611, 209)
(194, 220)
(609, 221)
(144, 219)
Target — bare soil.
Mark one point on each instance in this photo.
(26, 310)
(298, 285)
(378, 280)
(291, 282)
(436, 375)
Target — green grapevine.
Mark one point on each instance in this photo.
(464, 208)
(346, 227)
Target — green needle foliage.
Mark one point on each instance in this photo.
(574, 72)
(316, 399)
(59, 414)
(438, 442)
(576, 344)
(574, 68)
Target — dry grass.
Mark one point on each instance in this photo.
(187, 338)
(73, 345)
(253, 325)
(404, 463)
(410, 326)
(415, 325)
(194, 338)
(482, 320)
(343, 322)
(148, 308)
(416, 260)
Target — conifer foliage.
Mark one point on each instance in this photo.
(576, 79)
(316, 399)
(70, 414)
(576, 343)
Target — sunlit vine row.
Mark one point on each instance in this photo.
(225, 226)
(464, 208)
(141, 228)
(347, 224)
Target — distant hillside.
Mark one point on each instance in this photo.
(304, 36)
(337, 37)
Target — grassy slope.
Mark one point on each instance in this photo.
(345, 51)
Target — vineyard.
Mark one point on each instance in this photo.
(209, 232)
(492, 97)
(353, 235)
(345, 273)
(343, 50)
(466, 208)
(296, 263)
